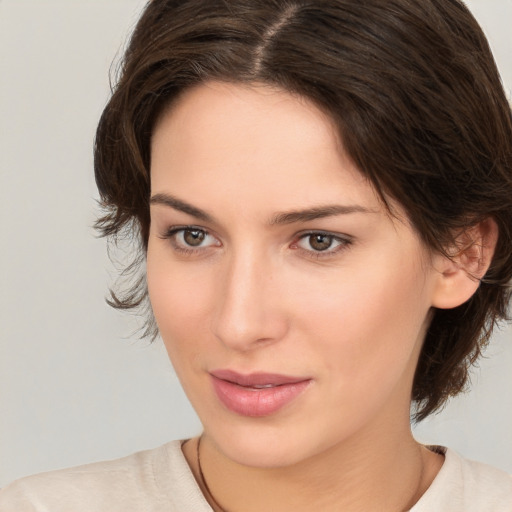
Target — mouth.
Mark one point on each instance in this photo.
(256, 394)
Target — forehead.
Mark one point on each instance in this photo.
(216, 116)
(253, 139)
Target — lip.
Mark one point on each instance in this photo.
(256, 394)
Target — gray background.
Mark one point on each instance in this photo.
(74, 387)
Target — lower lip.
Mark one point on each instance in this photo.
(255, 402)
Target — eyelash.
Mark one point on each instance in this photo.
(343, 241)
(171, 233)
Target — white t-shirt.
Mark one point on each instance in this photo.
(160, 480)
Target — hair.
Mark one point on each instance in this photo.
(414, 92)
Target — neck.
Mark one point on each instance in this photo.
(353, 476)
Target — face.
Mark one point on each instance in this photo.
(292, 306)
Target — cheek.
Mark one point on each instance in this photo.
(180, 301)
(368, 322)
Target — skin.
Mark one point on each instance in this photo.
(255, 296)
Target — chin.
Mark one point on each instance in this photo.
(256, 456)
(263, 446)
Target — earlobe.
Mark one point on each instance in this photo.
(466, 263)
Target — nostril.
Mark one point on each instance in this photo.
(247, 310)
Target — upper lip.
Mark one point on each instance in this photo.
(256, 379)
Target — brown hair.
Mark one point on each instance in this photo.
(415, 93)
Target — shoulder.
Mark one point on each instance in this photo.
(486, 487)
(467, 486)
(145, 481)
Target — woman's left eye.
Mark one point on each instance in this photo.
(320, 244)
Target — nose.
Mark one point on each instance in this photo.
(249, 312)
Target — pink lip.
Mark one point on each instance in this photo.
(244, 394)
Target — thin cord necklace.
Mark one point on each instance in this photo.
(203, 480)
(222, 509)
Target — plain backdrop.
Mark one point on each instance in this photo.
(74, 386)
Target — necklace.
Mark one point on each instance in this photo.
(216, 503)
(203, 480)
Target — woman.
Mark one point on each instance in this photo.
(322, 192)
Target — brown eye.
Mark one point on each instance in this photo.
(193, 237)
(320, 242)
(191, 240)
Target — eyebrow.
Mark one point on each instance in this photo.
(305, 215)
(317, 212)
(182, 206)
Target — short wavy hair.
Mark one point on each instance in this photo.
(414, 92)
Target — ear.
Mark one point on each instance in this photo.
(465, 264)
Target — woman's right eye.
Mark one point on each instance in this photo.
(190, 239)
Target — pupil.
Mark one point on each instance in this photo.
(193, 238)
(320, 242)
